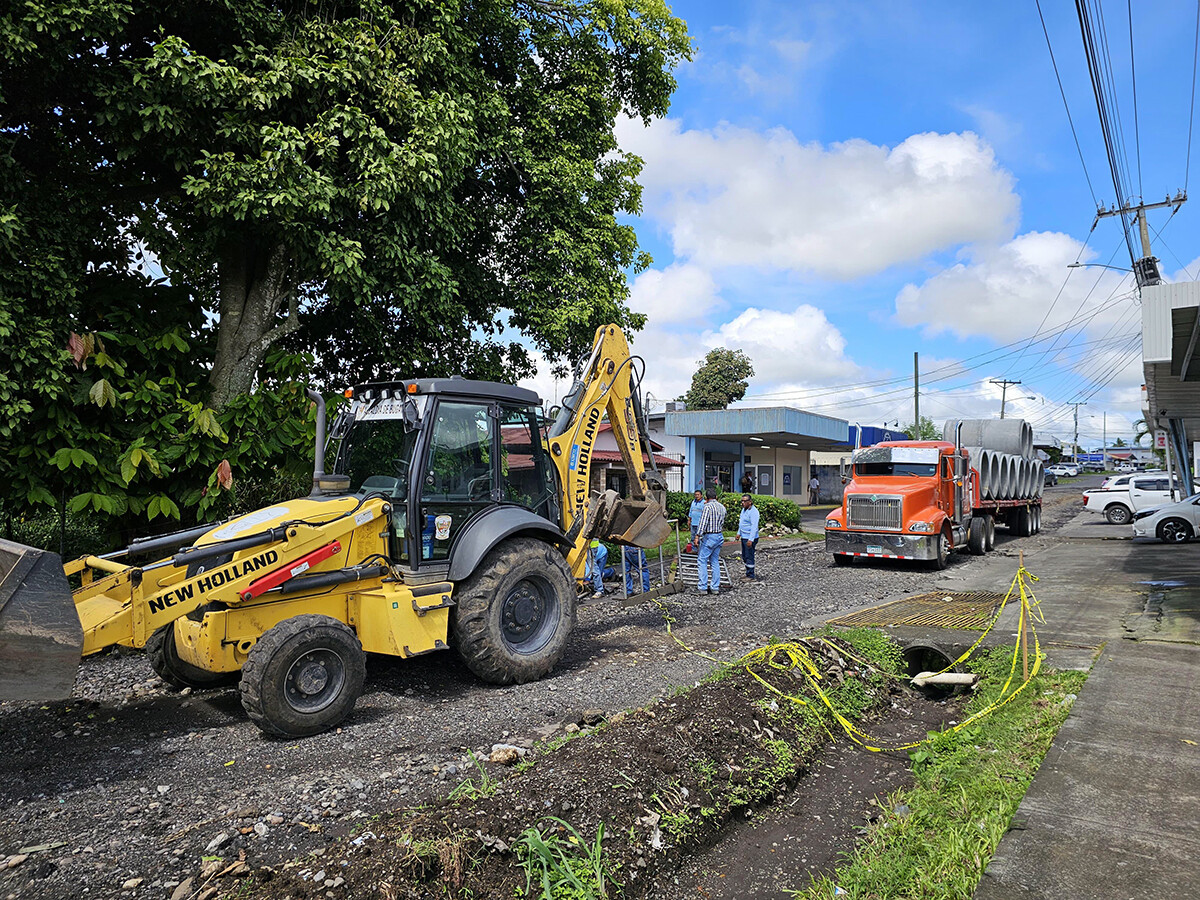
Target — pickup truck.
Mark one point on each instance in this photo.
(1122, 496)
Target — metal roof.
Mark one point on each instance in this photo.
(770, 425)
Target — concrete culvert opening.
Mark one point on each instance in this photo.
(921, 658)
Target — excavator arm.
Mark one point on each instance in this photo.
(606, 387)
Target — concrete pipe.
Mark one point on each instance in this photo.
(1022, 490)
(1002, 435)
(1002, 490)
(1027, 482)
(981, 461)
(992, 460)
(1039, 478)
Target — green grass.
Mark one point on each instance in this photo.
(934, 840)
(560, 865)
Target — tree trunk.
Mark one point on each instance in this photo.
(254, 283)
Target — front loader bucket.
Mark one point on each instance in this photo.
(632, 523)
(40, 635)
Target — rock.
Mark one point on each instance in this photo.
(217, 842)
(132, 884)
(184, 890)
(163, 788)
(571, 728)
(593, 716)
(505, 756)
(261, 829)
(15, 860)
(319, 878)
(207, 894)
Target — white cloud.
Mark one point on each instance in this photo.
(1004, 291)
(787, 346)
(733, 196)
(682, 292)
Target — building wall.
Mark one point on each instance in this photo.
(786, 461)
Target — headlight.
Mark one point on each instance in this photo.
(832, 523)
(921, 526)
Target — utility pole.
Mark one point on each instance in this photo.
(1004, 383)
(916, 400)
(1075, 445)
(1104, 449)
(1146, 268)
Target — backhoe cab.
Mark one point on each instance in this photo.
(449, 518)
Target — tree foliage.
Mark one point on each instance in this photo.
(720, 380)
(927, 432)
(217, 198)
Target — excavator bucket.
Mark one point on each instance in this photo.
(40, 635)
(632, 523)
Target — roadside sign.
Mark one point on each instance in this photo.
(1160, 439)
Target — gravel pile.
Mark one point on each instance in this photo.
(132, 789)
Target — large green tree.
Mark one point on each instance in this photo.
(720, 379)
(391, 187)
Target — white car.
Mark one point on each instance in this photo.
(1174, 523)
(1125, 468)
(1061, 469)
(1123, 495)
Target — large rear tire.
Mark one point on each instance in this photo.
(515, 613)
(1021, 524)
(977, 536)
(303, 676)
(990, 543)
(165, 661)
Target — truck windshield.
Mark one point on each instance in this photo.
(921, 470)
(377, 455)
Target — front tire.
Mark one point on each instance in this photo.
(1174, 531)
(842, 559)
(303, 676)
(164, 660)
(1116, 514)
(942, 559)
(515, 613)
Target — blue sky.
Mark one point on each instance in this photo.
(839, 185)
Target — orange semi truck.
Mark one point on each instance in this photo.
(923, 500)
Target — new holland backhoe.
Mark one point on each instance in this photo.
(453, 516)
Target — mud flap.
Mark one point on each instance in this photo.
(632, 523)
(40, 635)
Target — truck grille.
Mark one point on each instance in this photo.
(874, 512)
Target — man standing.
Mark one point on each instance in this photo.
(596, 559)
(635, 563)
(694, 515)
(748, 532)
(814, 491)
(747, 482)
(712, 524)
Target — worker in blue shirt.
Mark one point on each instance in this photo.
(694, 515)
(596, 558)
(748, 532)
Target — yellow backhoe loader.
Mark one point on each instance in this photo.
(453, 515)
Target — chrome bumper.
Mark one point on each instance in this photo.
(889, 545)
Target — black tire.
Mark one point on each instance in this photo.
(842, 559)
(515, 613)
(165, 661)
(990, 542)
(1037, 519)
(303, 676)
(977, 536)
(1118, 514)
(942, 559)
(1020, 522)
(1175, 531)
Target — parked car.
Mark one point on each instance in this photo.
(1126, 494)
(1173, 523)
(1064, 469)
(1049, 478)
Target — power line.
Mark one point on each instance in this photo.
(1192, 106)
(1062, 93)
(1133, 80)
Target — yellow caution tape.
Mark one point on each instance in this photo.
(795, 656)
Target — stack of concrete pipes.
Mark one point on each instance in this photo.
(1001, 450)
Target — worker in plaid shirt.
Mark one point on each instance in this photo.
(708, 556)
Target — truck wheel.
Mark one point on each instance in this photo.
(943, 552)
(977, 536)
(514, 614)
(1037, 519)
(165, 661)
(1175, 531)
(842, 559)
(1020, 522)
(990, 542)
(303, 676)
(1117, 514)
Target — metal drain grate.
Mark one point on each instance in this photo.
(969, 611)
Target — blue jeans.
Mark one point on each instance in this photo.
(708, 557)
(635, 562)
(595, 567)
(748, 555)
